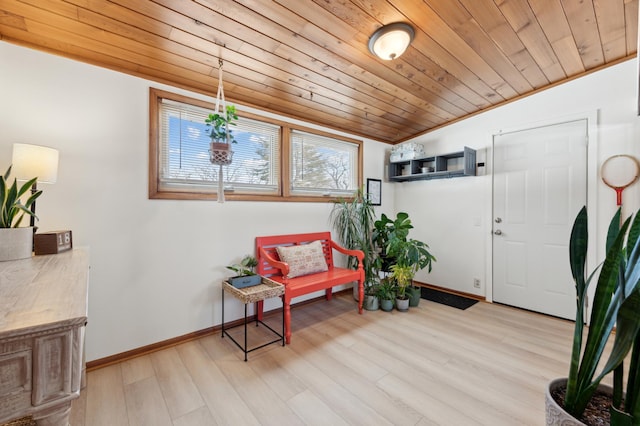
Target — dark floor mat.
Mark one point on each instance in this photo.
(448, 299)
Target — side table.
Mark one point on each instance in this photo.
(254, 294)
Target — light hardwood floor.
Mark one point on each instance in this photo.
(435, 365)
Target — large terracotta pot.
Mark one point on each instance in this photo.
(15, 243)
(554, 413)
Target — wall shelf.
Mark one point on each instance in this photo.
(455, 164)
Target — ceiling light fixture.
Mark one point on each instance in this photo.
(390, 41)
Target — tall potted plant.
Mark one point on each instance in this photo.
(401, 255)
(15, 242)
(353, 221)
(616, 301)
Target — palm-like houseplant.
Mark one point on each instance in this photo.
(353, 221)
(616, 303)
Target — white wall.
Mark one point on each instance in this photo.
(454, 216)
(156, 265)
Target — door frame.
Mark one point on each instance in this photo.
(592, 185)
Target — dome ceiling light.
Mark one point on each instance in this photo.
(390, 41)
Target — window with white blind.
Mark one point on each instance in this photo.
(321, 167)
(184, 153)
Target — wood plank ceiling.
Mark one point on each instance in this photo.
(309, 59)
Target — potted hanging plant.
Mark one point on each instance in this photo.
(245, 275)
(15, 242)
(221, 135)
(616, 303)
(218, 126)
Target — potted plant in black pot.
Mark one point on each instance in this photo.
(616, 303)
(245, 275)
(15, 242)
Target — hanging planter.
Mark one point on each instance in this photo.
(218, 122)
(220, 153)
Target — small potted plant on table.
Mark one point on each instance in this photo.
(245, 275)
(15, 242)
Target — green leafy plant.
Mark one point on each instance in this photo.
(403, 275)
(245, 267)
(387, 289)
(13, 211)
(616, 300)
(403, 256)
(218, 125)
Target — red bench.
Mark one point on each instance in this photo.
(270, 265)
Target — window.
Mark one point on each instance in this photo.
(320, 166)
(323, 165)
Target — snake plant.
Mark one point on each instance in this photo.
(13, 211)
(616, 300)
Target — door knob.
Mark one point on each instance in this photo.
(497, 232)
(498, 219)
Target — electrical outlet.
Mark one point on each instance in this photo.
(476, 282)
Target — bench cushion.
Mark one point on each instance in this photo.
(303, 259)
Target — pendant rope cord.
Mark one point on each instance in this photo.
(220, 99)
(220, 153)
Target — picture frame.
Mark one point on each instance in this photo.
(374, 191)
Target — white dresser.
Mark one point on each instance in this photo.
(43, 312)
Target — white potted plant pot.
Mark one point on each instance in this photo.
(15, 243)
(555, 415)
(402, 304)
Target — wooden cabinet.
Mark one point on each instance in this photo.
(43, 312)
(455, 164)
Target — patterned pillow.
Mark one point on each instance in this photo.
(303, 259)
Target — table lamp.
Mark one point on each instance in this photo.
(31, 161)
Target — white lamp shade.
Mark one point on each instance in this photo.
(390, 41)
(31, 161)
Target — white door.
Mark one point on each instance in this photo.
(539, 185)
